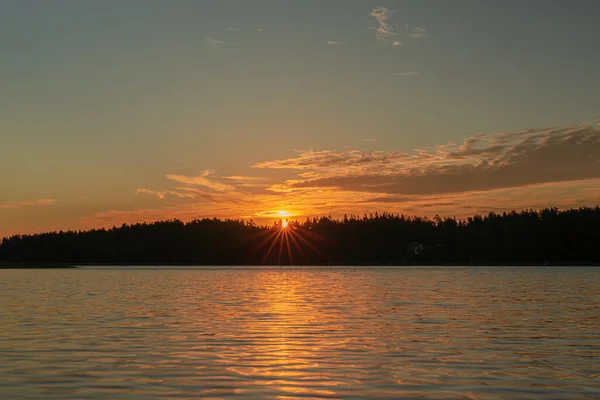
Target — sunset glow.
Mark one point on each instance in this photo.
(272, 119)
(287, 199)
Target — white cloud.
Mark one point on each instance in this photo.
(200, 180)
(405, 73)
(213, 42)
(332, 42)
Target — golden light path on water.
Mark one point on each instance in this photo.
(291, 332)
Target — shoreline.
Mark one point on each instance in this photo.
(36, 265)
(54, 265)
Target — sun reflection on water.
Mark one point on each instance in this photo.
(270, 332)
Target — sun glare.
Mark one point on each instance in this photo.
(288, 239)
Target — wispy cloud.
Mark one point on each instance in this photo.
(382, 15)
(260, 30)
(271, 63)
(562, 194)
(248, 181)
(241, 178)
(405, 73)
(233, 29)
(262, 207)
(35, 203)
(200, 180)
(397, 43)
(332, 42)
(213, 42)
(307, 203)
(480, 163)
(162, 194)
(488, 172)
(418, 33)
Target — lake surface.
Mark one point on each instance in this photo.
(289, 333)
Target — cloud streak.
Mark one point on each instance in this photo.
(213, 42)
(240, 178)
(405, 73)
(21, 204)
(264, 208)
(533, 168)
(200, 180)
(162, 194)
(482, 162)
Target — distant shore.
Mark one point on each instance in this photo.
(48, 265)
(546, 237)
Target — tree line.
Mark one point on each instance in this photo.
(547, 236)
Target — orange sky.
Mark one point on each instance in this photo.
(113, 113)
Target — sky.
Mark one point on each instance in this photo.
(117, 111)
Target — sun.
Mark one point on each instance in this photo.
(291, 238)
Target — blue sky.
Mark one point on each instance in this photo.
(120, 111)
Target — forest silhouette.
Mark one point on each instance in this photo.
(548, 236)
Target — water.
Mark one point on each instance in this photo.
(493, 333)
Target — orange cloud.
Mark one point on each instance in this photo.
(493, 172)
(36, 203)
(200, 180)
(264, 208)
(482, 162)
(161, 194)
(244, 179)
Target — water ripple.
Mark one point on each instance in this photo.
(291, 333)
